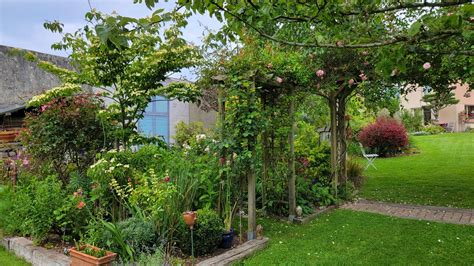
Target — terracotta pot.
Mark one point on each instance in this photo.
(189, 218)
(82, 259)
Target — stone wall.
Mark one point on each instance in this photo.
(21, 79)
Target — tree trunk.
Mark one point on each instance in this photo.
(334, 150)
(221, 111)
(291, 162)
(342, 141)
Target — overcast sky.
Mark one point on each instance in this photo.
(21, 21)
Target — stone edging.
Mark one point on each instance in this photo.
(37, 256)
(313, 216)
(236, 254)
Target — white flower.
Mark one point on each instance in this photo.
(207, 149)
(200, 137)
(111, 168)
(126, 166)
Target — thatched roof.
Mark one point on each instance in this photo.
(20, 79)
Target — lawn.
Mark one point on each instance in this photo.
(8, 259)
(347, 237)
(442, 174)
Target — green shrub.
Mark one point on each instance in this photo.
(138, 234)
(413, 121)
(322, 195)
(65, 134)
(433, 129)
(354, 172)
(186, 133)
(207, 233)
(32, 212)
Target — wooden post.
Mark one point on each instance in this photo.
(252, 215)
(291, 162)
(333, 109)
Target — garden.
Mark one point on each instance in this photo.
(298, 90)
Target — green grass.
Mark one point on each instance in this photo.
(8, 259)
(347, 237)
(442, 174)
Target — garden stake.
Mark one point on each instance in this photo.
(189, 218)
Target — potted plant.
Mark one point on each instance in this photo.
(85, 255)
(228, 234)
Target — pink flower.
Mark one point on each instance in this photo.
(427, 65)
(366, 63)
(340, 43)
(351, 82)
(75, 194)
(129, 180)
(320, 73)
(25, 162)
(167, 178)
(279, 80)
(81, 205)
(363, 77)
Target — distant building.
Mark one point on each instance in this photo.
(458, 117)
(20, 80)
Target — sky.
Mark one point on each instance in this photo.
(21, 21)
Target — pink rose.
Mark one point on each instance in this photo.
(427, 65)
(351, 82)
(320, 73)
(279, 80)
(167, 178)
(363, 77)
(81, 205)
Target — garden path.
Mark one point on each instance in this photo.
(430, 213)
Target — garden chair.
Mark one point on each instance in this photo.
(450, 127)
(370, 157)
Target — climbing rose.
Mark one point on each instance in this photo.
(279, 80)
(320, 73)
(426, 65)
(363, 77)
(81, 205)
(351, 82)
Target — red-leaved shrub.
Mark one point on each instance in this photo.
(386, 136)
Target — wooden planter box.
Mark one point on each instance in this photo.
(81, 259)
(8, 136)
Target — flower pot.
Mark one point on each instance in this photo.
(227, 239)
(82, 259)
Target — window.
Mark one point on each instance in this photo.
(155, 121)
(470, 111)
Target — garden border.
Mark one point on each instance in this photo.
(36, 255)
(236, 254)
(309, 218)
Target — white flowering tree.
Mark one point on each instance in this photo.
(128, 60)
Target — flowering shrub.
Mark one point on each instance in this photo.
(386, 136)
(66, 134)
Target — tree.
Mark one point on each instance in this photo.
(439, 100)
(128, 60)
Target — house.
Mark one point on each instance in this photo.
(20, 80)
(459, 117)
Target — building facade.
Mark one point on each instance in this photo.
(20, 80)
(458, 117)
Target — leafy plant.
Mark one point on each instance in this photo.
(125, 252)
(354, 172)
(207, 233)
(433, 129)
(413, 121)
(386, 136)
